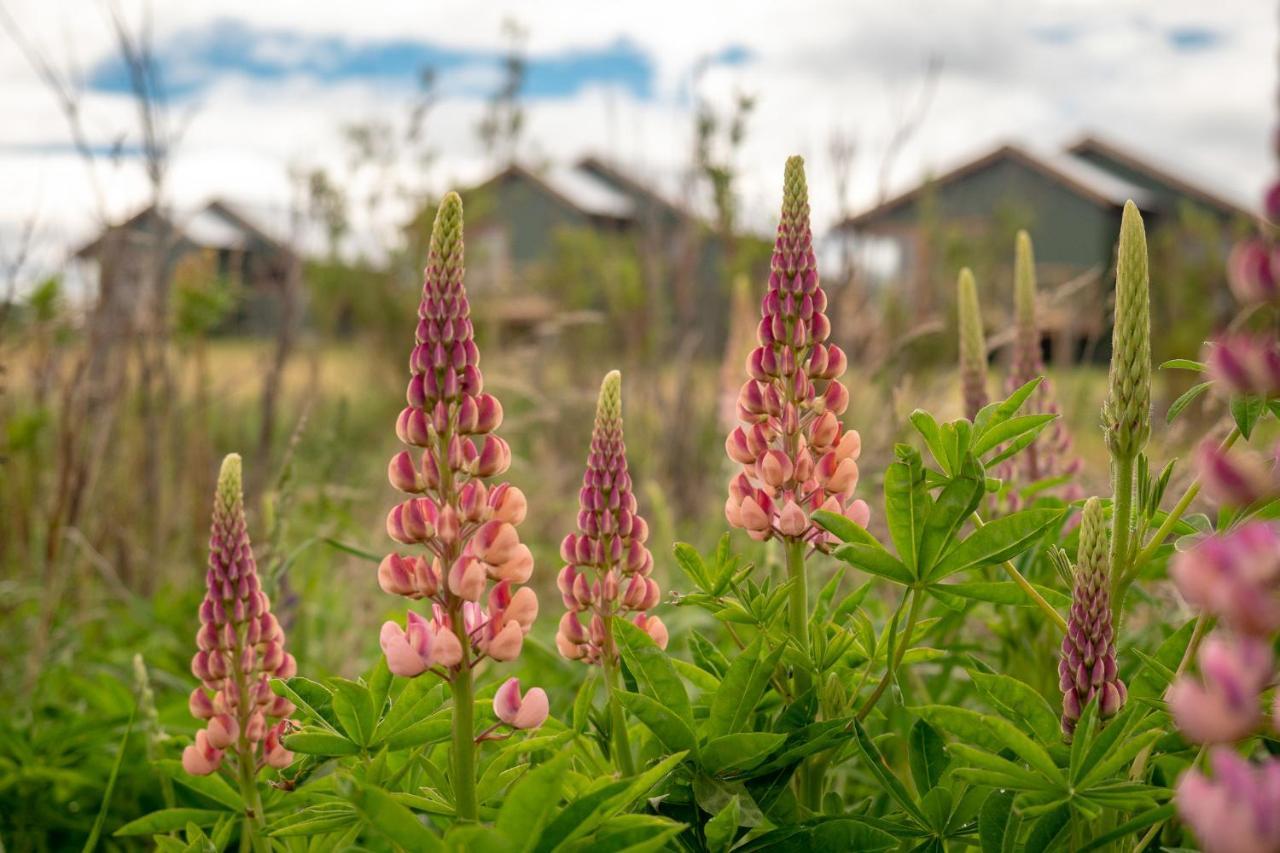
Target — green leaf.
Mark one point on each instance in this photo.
(1004, 592)
(737, 752)
(1143, 821)
(994, 414)
(1024, 747)
(844, 529)
(998, 541)
(1050, 831)
(1154, 678)
(314, 742)
(741, 688)
(214, 787)
(721, 829)
(434, 729)
(393, 821)
(905, 505)
(928, 429)
(1185, 399)
(1010, 430)
(927, 756)
(962, 723)
(419, 698)
(875, 560)
(1183, 364)
(353, 704)
(531, 802)
(1246, 410)
(995, 770)
(309, 696)
(170, 820)
(996, 822)
(875, 762)
(1021, 703)
(651, 669)
(582, 703)
(825, 834)
(92, 842)
(674, 733)
(690, 562)
(957, 501)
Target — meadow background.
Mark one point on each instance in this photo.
(350, 125)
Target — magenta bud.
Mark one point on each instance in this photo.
(404, 474)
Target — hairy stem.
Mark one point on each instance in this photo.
(463, 758)
(798, 611)
(1121, 516)
(904, 640)
(617, 720)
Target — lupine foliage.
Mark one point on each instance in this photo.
(934, 674)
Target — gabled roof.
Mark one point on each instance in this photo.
(575, 186)
(1084, 179)
(1157, 174)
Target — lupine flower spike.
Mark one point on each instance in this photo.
(465, 528)
(796, 456)
(1238, 810)
(607, 565)
(241, 650)
(1049, 456)
(1088, 665)
(973, 346)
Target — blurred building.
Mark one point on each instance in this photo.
(1070, 201)
(523, 224)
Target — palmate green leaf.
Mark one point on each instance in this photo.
(906, 503)
(696, 675)
(875, 762)
(421, 697)
(927, 756)
(937, 805)
(741, 688)
(315, 821)
(353, 704)
(1021, 703)
(530, 803)
(1050, 832)
(629, 833)
(391, 820)
(309, 696)
(833, 833)
(997, 824)
(1003, 592)
(690, 562)
(998, 541)
(994, 414)
(1025, 748)
(435, 729)
(674, 733)
(651, 669)
(875, 560)
(1119, 757)
(214, 787)
(738, 752)
(169, 820)
(957, 501)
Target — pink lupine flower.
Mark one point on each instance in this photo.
(1242, 363)
(1251, 270)
(527, 712)
(1234, 576)
(1226, 706)
(465, 526)
(1236, 479)
(1087, 667)
(1238, 810)
(795, 455)
(607, 566)
(241, 646)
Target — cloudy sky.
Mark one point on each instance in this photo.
(258, 89)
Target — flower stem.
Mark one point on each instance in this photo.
(617, 719)
(1121, 515)
(464, 745)
(798, 611)
(251, 837)
(904, 640)
(1054, 616)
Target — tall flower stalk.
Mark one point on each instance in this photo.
(465, 527)
(607, 565)
(1087, 668)
(1126, 414)
(1049, 456)
(796, 456)
(241, 649)
(973, 345)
